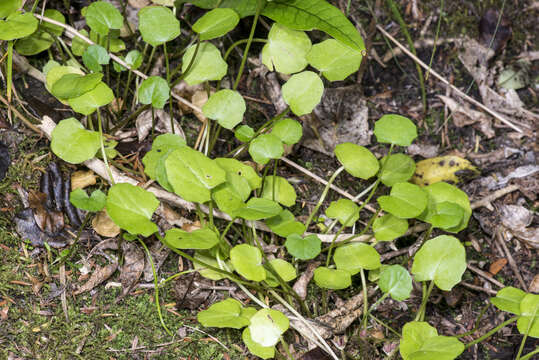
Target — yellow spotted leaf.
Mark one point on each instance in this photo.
(443, 168)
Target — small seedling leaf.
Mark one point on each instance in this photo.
(158, 25)
(216, 23)
(285, 224)
(303, 92)
(247, 261)
(223, 314)
(102, 16)
(283, 268)
(405, 201)
(71, 142)
(389, 227)
(357, 160)
(356, 256)
(346, 211)
(226, 107)
(154, 90)
(327, 278)
(288, 130)
(396, 168)
(199, 239)
(94, 56)
(265, 147)
(96, 202)
(244, 133)
(303, 248)
(278, 189)
(335, 60)
(208, 64)
(420, 341)
(395, 129)
(267, 326)
(396, 281)
(286, 49)
(509, 299)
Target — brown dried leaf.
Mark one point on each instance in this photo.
(133, 265)
(104, 226)
(534, 285)
(99, 275)
(50, 222)
(81, 179)
(463, 116)
(189, 292)
(497, 266)
(300, 286)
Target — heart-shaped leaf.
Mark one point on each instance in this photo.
(327, 278)
(288, 130)
(286, 49)
(71, 142)
(223, 314)
(334, 60)
(285, 224)
(357, 160)
(216, 23)
(356, 256)
(303, 92)
(265, 147)
(131, 208)
(278, 189)
(346, 211)
(158, 25)
(96, 202)
(396, 281)
(396, 168)
(208, 64)
(90, 101)
(258, 209)
(528, 322)
(509, 299)
(303, 248)
(102, 16)
(154, 90)
(17, 26)
(199, 239)
(395, 129)
(389, 227)
(267, 326)
(421, 341)
(226, 107)
(442, 260)
(41, 40)
(74, 85)
(405, 201)
(247, 261)
(264, 352)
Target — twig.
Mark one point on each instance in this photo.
(485, 275)
(478, 288)
(211, 337)
(454, 88)
(510, 259)
(495, 195)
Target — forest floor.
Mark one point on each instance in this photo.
(41, 318)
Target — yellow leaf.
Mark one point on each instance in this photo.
(443, 168)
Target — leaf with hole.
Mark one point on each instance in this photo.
(278, 189)
(158, 25)
(241, 169)
(395, 129)
(442, 260)
(96, 202)
(389, 227)
(154, 90)
(247, 261)
(405, 201)
(267, 326)
(395, 169)
(303, 92)
(346, 211)
(288, 130)
(420, 341)
(223, 314)
(199, 239)
(94, 56)
(396, 281)
(334, 60)
(357, 160)
(283, 268)
(303, 248)
(509, 299)
(208, 64)
(285, 224)
(71, 142)
(216, 23)
(192, 174)
(327, 278)
(131, 208)
(356, 256)
(226, 107)
(17, 26)
(90, 101)
(265, 147)
(286, 49)
(102, 16)
(258, 209)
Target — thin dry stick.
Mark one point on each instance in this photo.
(478, 288)
(454, 88)
(510, 259)
(74, 32)
(485, 275)
(495, 195)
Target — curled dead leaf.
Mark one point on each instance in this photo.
(99, 275)
(81, 179)
(104, 226)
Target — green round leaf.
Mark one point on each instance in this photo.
(303, 92)
(226, 107)
(442, 260)
(208, 64)
(223, 314)
(509, 299)
(286, 50)
(421, 341)
(405, 201)
(90, 101)
(17, 26)
(71, 142)
(161, 146)
(528, 322)
(131, 208)
(327, 278)
(264, 352)
(79, 46)
(389, 227)
(396, 168)
(285, 224)
(94, 56)
(356, 256)
(192, 174)
(303, 248)
(265, 147)
(346, 211)
(134, 59)
(216, 23)
(258, 209)
(34, 44)
(96, 202)
(288, 130)
(7, 7)
(55, 15)
(396, 281)
(443, 192)
(55, 72)
(244, 133)
(247, 261)
(278, 189)
(199, 239)
(334, 59)
(241, 169)
(102, 16)
(74, 85)
(267, 326)
(285, 270)
(158, 25)
(447, 216)
(154, 90)
(395, 129)
(357, 160)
